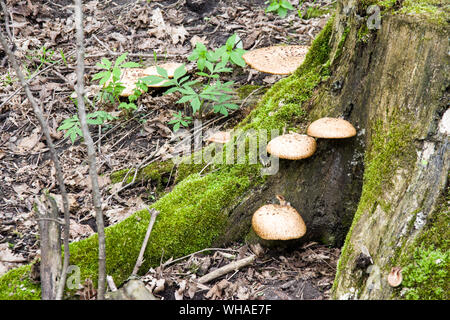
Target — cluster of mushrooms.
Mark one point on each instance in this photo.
(282, 221)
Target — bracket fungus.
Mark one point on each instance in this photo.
(130, 76)
(276, 59)
(331, 128)
(278, 222)
(292, 146)
(395, 277)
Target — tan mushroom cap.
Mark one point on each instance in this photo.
(130, 76)
(278, 222)
(331, 128)
(292, 146)
(276, 59)
(395, 277)
(220, 137)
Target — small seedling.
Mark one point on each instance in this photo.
(73, 127)
(210, 64)
(180, 120)
(281, 7)
(109, 78)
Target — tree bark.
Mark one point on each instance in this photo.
(90, 150)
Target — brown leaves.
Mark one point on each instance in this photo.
(302, 274)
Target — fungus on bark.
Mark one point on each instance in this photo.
(331, 128)
(276, 59)
(292, 146)
(395, 277)
(278, 222)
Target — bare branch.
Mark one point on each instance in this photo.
(90, 150)
(235, 265)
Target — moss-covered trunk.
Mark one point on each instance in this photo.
(395, 81)
(383, 190)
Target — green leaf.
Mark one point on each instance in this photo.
(282, 12)
(231, 42)
(162, 72)
(200, 47)
(286, 4)
(180, 82)
(185, 99)
(209, 66)
(151, 80)
(179, 72)
(67, 124)
(120, 59)
(202, 74)
(116, 72)
(201, 64)
(176, 127)
(106, 63)
(195, 104)
(102, 74)
(171, 90)
(274, 6)
(194, 56)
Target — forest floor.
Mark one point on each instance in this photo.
(44, 36)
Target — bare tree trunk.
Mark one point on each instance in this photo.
(50, 233)
(59, 175)
(90, 150)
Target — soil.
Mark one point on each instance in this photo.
(44, 40)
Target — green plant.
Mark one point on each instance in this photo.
(232, 52)
(214, 93)
(63, 57)
(73, 127)
(180, 120)
(109, 78)
(43, 56)
(280, 6)
(427, 276)
(129, 106)
(7, 80)
(309, 12)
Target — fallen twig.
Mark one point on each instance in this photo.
(232, 266)
(154, 213)
(169, 262)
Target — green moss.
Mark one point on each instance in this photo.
(16, 285)
(427, 260)
(341, 43)
(435, 11)
(153, 171)
(427, 276)
(391, 147)
(313, 12)
(158, 172)
(245, 90)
